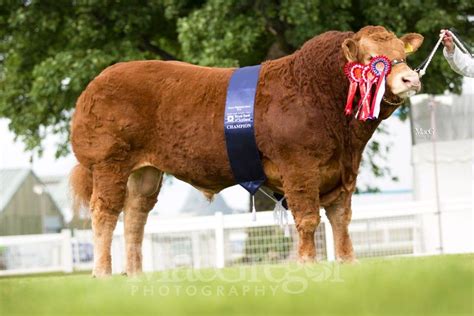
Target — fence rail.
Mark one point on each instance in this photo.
(225, 240)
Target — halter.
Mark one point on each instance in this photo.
(398, 61)
(394, 63)
(393, 103)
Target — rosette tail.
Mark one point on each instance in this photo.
(350, 98)
(353, 72)
(365, 108)
(363, 97)
(379, 92)
(370, 79)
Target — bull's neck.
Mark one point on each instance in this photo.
(361, 132)
(323, 88)
(318, 79)
(329, 93)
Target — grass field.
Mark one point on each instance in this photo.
(440, 285)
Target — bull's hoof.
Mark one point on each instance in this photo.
(134, 274)
(305, 259)
(348, 260)
(101, 274)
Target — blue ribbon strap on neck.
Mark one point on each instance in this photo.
(239, 130)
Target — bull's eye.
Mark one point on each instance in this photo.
(369, 59)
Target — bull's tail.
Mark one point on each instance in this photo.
(81, 187)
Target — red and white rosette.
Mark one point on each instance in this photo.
(369, 79)
(366, 76)
(353, 72)
(380, 67)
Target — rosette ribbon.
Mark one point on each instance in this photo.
(365, 77)
(369, 79)
(380, 67)
(353, 72)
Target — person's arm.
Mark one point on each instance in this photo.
(462, 64)
(450, 59)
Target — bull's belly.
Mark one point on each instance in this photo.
(330, 177)
(212, 176)
(196, 156)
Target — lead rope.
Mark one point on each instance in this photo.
(422, 68)
(280, 215)
(421, 71)
(460, 43)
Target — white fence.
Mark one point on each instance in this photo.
(25, 254)
(226, 240)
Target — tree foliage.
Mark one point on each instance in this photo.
(50, 50)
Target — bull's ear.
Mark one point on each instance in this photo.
(350, 49)
(412, 42)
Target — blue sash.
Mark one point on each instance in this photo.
(242, 148)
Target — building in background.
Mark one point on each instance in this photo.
(443, 142)
(26, 207)
(180, 199)
(59, 189)
(442, 160)
(196, 204)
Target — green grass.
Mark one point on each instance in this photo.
(440, 285)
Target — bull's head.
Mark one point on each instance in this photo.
(371, 41)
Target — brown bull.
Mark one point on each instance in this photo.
(137, 120)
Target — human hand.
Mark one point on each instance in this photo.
(448, 41)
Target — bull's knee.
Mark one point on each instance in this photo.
(308, 223)
(144, 181)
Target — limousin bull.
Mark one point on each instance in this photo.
(137, 120)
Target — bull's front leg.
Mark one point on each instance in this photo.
(339, 214)
(302, 193)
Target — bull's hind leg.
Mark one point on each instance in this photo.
(143, 187)
(339, 215)
(302, 194)
(108, 196)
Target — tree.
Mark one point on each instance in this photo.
(50, 50)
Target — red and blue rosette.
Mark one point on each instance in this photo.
(380, 67)
(365, 76)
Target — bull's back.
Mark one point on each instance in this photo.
(168, 112)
